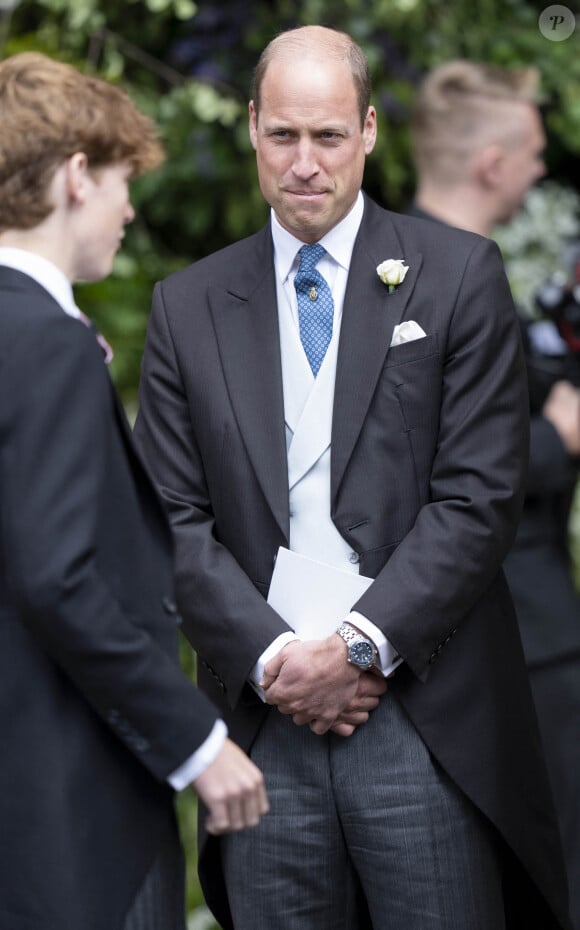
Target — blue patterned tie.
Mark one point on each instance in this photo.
(315, 306)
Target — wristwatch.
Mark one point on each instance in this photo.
(362, 652)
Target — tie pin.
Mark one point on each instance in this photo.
(313, 294)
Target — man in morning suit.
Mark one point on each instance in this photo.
(292, 398)
(98, 723)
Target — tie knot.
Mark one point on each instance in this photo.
(310, 255)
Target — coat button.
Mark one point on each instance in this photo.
(139, 744)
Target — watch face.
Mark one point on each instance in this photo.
(361, 654)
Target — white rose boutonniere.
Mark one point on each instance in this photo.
(392, 272)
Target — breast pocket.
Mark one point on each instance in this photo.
(413, 375)
(411, 351)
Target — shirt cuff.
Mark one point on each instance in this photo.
(389, 658)
(201, 758)
(257, 674)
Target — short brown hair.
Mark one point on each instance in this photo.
(316, 38)
(459, 101)
(50, 110)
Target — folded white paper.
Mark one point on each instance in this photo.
(313, 597)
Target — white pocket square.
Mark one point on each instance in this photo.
(407, 332)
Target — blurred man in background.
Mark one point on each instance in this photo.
(478, 145)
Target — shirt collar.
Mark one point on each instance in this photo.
(45, 273)
(338, 242)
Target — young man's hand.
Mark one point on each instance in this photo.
(232, 788)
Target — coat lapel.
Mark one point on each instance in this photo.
(369, 316)
(244, 311)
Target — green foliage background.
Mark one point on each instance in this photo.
(189, 65)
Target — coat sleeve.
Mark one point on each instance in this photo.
(225, 616)
(57, 428)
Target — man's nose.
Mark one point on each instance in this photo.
(129, 214)
(305, 161)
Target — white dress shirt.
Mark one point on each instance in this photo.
(53, 280)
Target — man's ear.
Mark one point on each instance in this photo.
(489, 164)
(370, 130)
(76, 172)
(253, 124)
